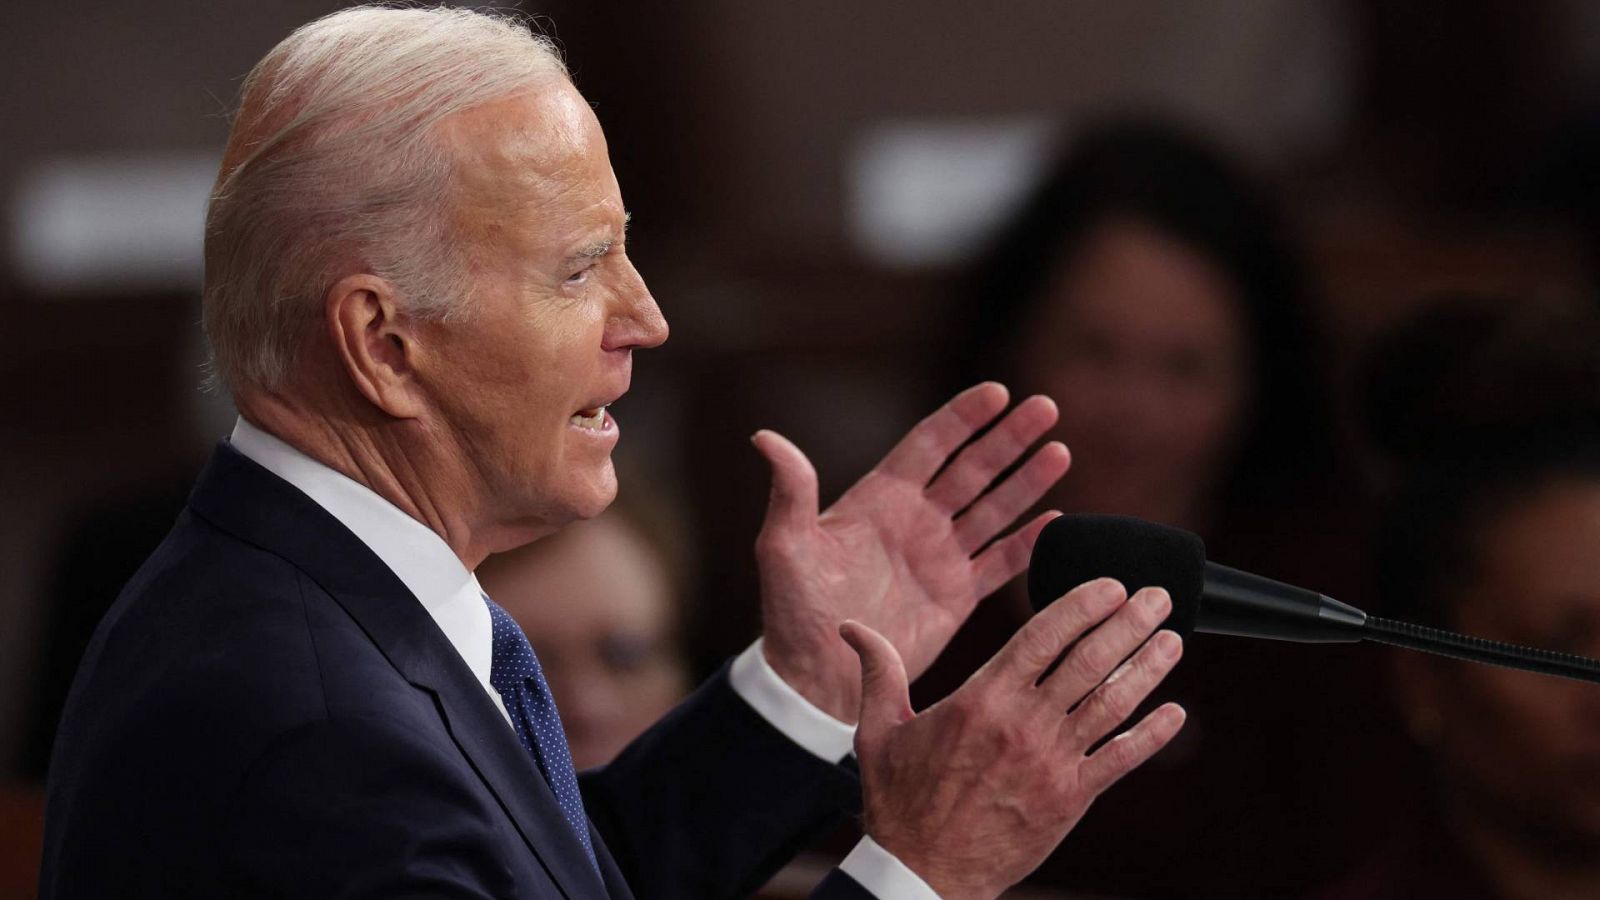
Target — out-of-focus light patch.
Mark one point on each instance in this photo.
(928, 193)
(121, 223)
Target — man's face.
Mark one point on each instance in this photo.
(521, 381)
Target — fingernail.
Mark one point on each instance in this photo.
(1153, 599)
(1167, 644)
(1110, 587)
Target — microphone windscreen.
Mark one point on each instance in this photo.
(1074, 549)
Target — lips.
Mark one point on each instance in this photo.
(593, 416)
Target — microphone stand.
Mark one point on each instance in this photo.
(1480, 650)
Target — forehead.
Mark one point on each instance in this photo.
(541, 149)
(1131, 275)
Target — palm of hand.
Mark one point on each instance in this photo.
(882, 556)
(897, 552)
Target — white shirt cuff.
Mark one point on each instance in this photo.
(783, 707)
(884, 876)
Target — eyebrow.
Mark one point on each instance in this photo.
(601, 247)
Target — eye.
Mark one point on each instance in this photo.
(579, 277)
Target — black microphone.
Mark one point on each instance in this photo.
(1215, 599)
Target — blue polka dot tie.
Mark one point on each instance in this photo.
(515, 674)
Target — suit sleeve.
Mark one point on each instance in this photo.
(361, 809)
(713, 800)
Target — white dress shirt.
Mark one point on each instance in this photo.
(427, 566)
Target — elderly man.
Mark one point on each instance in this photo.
(418, 292)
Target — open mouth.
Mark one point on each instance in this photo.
(590, 419)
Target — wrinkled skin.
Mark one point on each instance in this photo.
(1012, 773)
(900, 550)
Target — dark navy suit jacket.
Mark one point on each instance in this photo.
(268, 712)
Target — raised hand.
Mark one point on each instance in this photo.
(976, 791)
(908, 550)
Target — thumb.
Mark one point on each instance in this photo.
(885, 691)
(793, 503)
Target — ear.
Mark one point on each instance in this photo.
(375, 343)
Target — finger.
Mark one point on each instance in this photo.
(793, 501)
(1038, 642)
(927, 445)
(1129, 750)
(981, 463)
(885, 690)
(1004, 559)
(1001, 506)
(1103, 650)
(1115, 700)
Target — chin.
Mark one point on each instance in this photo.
(533, 515)
(596, 495)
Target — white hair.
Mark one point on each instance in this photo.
(335, 166)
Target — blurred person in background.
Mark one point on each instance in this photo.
(1153, 290)
(1490, 414)
(602, 603)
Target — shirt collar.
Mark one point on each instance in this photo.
(414, 552)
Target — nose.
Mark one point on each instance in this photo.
(636, 321)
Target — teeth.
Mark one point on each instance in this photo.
(593, 423)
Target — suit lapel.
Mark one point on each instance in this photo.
(616, 885)
(242, 498)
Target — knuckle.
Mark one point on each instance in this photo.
(1017, 739)
(1130, 748)
(1118, 755)
(1118, 702)
(961, 710)
(1094, 716)
(1040, 643)
(1153, 665)
(1150, 664)
(1087, 663)
(1068, 790)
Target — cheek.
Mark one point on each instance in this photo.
(652, 692)
(1507, 728)
(1207, 417)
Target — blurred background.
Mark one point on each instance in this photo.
(1274, 258)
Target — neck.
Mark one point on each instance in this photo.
(398, 459)
(1527, 862)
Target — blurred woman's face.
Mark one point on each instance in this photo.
(1527, 745)
(597, 606)
(1140, 341)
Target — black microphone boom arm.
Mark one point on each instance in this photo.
(1481, 650)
